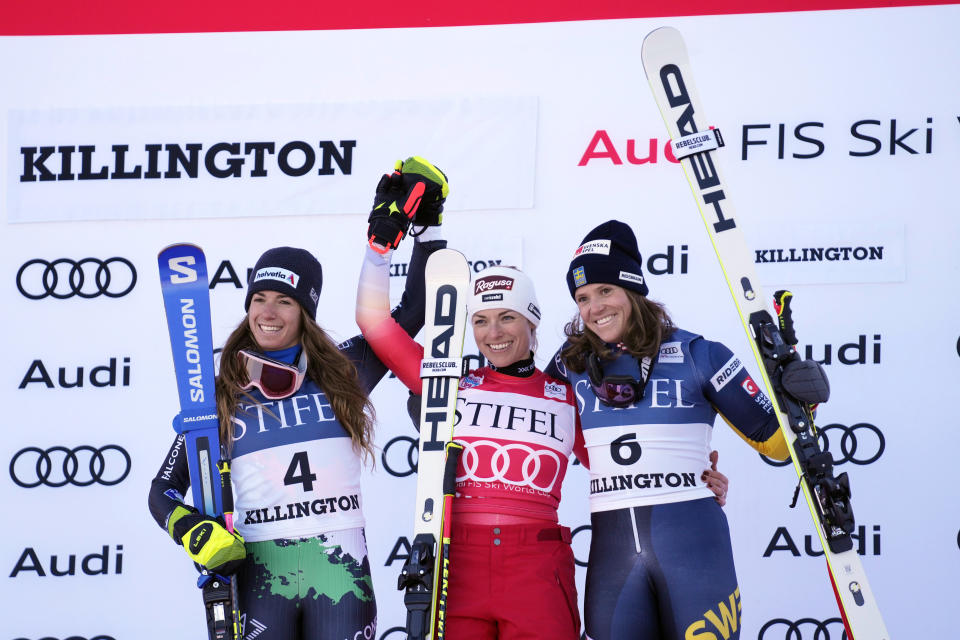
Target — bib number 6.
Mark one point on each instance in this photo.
(625, 450)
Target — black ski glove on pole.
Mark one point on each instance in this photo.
(806, 381)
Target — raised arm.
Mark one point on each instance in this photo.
(396, 207)
(383, 332)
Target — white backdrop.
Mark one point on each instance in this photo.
(545, 130)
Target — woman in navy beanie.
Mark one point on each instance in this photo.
(295, 414)
(660, 557)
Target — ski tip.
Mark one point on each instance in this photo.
(661, 32)
(179, 245)
(450, 261)
(659, 46)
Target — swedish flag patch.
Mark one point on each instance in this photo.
(579, 279)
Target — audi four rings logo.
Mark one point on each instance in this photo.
(59, 466)
(87, 278)
(516, 464)
(861, 444)
(829, 629)
(398, 464)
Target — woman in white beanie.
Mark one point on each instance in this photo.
(514, 573)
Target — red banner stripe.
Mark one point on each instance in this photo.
(98, 17)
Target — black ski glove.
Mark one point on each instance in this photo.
(436, 189)
(806, 381)
(414, 184)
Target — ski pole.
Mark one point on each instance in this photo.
(226, 493)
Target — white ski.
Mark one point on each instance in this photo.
(667, 66)
(447, 289)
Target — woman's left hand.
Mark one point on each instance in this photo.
(716, 481)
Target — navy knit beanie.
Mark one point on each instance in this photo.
(292, 272)
(608, 254)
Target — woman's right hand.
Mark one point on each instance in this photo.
(207, 541)
(716, 481)
(413, 193)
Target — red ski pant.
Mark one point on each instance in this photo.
(512, 582)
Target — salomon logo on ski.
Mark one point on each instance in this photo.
(182, 271)
(186, 300)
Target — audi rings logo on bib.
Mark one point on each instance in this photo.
(80, 466)
(85, 278)
(860, 444)
(514, 464)
(802, 629)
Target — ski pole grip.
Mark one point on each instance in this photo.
(454, 449)
(781, 303)
(226, 492)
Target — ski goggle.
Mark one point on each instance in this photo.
(275, 379)
(613, 391)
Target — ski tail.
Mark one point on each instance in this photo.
(667, 66)
(836, 594)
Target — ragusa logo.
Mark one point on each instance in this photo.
(492, 282)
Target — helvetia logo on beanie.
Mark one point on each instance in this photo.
(276, 273)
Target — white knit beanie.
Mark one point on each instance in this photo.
(505, 288)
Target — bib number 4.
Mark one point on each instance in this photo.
(299, 472)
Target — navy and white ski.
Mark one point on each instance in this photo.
(424, 576)
(668, 70)
(186, 300)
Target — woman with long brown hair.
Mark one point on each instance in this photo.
(295, 415)
(661, 564)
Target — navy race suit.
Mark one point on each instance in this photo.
(661, 565)
(296, 481)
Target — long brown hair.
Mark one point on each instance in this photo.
(649, 325)
(333, 372)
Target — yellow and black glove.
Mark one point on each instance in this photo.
(207, 541)
(436, 189)
(413, 193)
